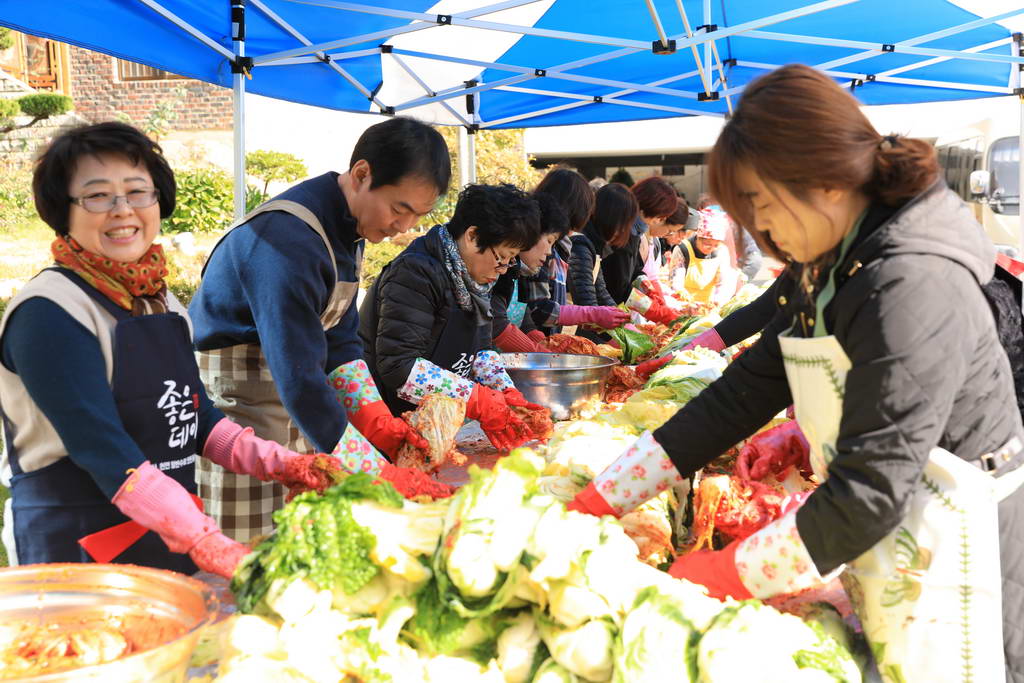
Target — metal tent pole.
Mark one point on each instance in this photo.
(1018, 79)
(240, 72)
(464, 157)
(471, 155)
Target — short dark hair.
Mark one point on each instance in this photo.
(615, 211)
(502, 214)
(402, 147)
(552, 216)
(656, 197)
(681, 214)
(572, 191)
(57, 164)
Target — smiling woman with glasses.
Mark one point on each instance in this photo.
(99, 387)
(426, 322)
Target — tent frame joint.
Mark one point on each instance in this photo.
(708, 28)
(444, 20)
(729, 62)
(888, 47)
(540, 73)
(387, 110)
(386, 49)
(598, 99)
(472, 128)
(242, 65)
(660, 48)
(707, 96)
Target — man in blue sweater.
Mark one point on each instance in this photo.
(275, 324)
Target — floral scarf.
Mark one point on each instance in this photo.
(472, 297)
(138, 287)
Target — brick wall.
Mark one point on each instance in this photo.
(99, 95)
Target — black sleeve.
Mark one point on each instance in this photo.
(751, 391)
(581, 273)
(410, 300)
(747, 321)
(909, 354)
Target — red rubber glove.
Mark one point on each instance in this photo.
(512, 340)
(537, 336)
(514, 398)
(385, 431)
(649, 367)
(590, 502)
(651, 308)
(650, 287)
(502, 427)
(713, 569)
(605, 317)
(709, 339)
(161, 504)
(772, 451)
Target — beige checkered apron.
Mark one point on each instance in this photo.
(238, 382)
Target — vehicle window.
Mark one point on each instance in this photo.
(957, 160)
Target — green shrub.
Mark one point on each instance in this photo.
(42, 105)
(269, 166)
(253, 197)
(9, 109)
(376, 257)
(15, 194)
(6, 38)
(205, 201)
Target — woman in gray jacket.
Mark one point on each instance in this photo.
(889, 351)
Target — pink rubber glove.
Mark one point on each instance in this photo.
(709, 339)
(161, 504)
(512, 340)
(238, 449)
(605, 317)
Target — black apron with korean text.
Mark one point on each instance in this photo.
(155, 386)
(458, 342)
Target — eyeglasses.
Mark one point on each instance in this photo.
(103, 202)
(499, 265)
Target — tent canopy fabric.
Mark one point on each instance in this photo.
(524, 63)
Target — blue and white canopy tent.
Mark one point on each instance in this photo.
(523, 63)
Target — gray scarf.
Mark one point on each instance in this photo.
(471, 296)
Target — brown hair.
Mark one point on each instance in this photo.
(655, 196)
(615, 211)
(797, 127)
(572, 191)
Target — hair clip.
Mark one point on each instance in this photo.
(887, 143)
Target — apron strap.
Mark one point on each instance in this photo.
(104, 301)
(287, 206)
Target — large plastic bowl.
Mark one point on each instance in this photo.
(561, 382)
(61, 592)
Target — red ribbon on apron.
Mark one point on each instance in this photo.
(103, 546)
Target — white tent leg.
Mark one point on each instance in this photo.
(1020, 178)
(463, 157)
(471, 156)
(238, 110)
(239, 144)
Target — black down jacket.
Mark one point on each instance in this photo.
(927, 370)
(586, 289)
(405, 312)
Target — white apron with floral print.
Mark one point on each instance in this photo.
(928, 594)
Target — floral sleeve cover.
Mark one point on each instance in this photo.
(356, 454)
(489, 371)
(639, 474)
(639, 302)
(774, 561)
(427, 378)
(354, 386)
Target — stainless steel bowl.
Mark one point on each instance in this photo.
(59, 592)
(561, 382)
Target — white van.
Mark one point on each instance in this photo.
(981, 164)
